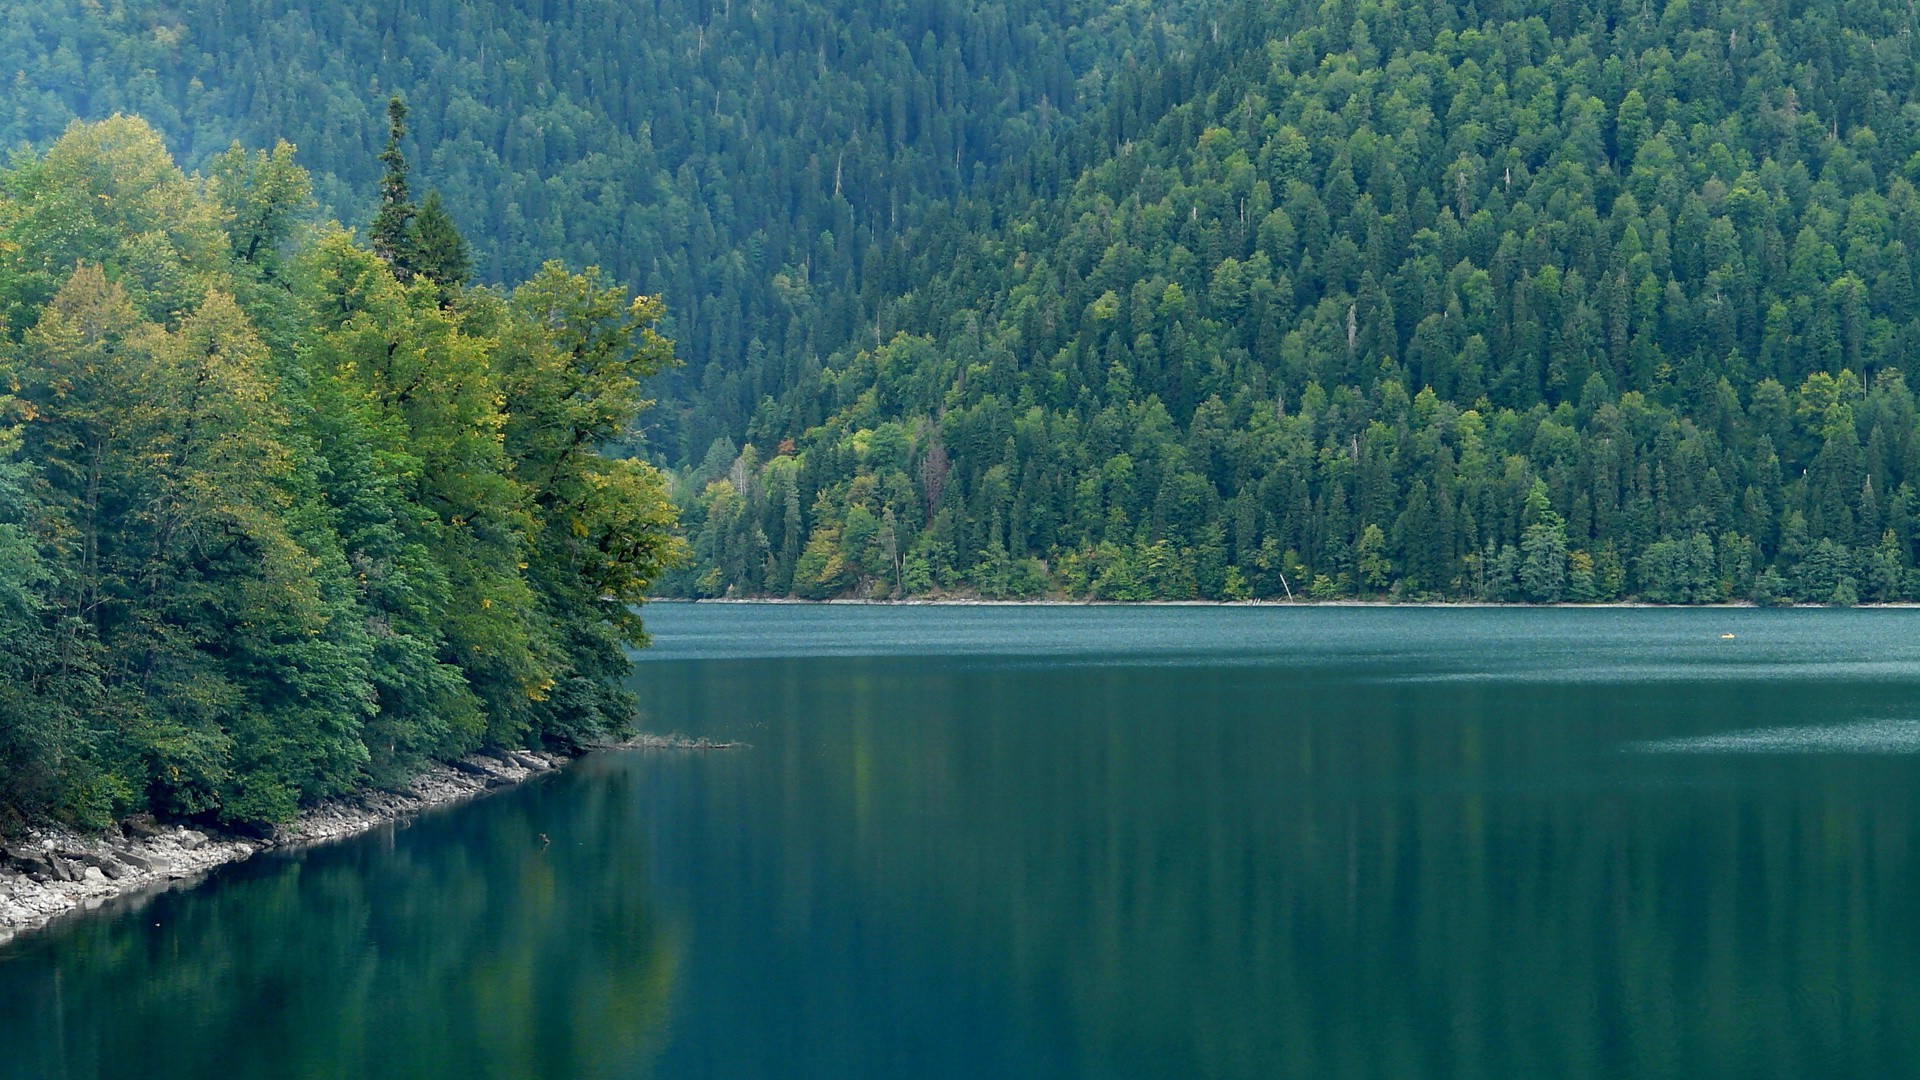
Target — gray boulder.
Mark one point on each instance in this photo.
(133, 859)
(27, 861)
(108, 866)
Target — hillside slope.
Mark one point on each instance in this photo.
(749, 162)
(1560, 300)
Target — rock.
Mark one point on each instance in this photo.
(108, 866)
(37, 869)
(133, 859)
(141, 826)
(30, 862)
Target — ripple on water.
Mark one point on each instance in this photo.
(1861, 737)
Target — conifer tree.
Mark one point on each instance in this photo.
(440, 252)
(394, 237)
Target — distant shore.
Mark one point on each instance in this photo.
(963, 601)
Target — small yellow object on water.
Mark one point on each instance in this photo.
(1726, 637)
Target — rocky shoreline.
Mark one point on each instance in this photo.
(52, 872)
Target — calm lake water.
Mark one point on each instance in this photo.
(1101, 842)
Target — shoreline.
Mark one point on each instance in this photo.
(49, 874)
(964, 601)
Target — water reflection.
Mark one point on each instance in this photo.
(1103, 843)
(1301, 870)
(457, 946)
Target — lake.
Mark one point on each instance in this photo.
(1100, 842)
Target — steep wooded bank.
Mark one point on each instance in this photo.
(750, 161)
(281, 517)
(1577, 300)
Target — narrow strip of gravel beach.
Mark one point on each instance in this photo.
(49, 873)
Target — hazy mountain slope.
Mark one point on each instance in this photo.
(1533, 300)
(747, 160)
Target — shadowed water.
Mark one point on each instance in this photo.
(1120, 842)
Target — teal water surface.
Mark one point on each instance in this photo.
(1100, 842)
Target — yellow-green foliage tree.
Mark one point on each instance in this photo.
(275, 524)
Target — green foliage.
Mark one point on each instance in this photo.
(264, 198)
(1680, 571)
(261, 546)
(439, 251)
(392, 236)
(755, 163)
(1538, 302)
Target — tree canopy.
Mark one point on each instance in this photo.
(751, 161)
(1526, 301)
(275, 522)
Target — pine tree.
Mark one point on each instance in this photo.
(440, 252)
(1543, 547)
(394, 237)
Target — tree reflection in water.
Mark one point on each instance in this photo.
(453, 947)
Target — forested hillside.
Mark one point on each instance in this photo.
(281, 517)
(748, 161)
(1568, 300)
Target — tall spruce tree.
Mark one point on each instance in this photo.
(394, 237)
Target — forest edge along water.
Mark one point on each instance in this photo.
(53, 872)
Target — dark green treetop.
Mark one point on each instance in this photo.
(439, 251)
(393, 226)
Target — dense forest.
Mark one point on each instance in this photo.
(1569, 300)
(1575, 300)
(750, 162)
(282, 514)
